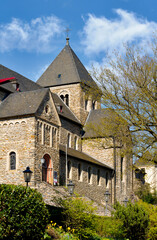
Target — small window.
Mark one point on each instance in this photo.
(62, 97)
(69, 169)
(86, 103)
(75, 143)
(79, 172)
(69, 140)
(47, 109)
(67, 99)
(93, 104)
(98, 177)
(12, 160)
(121, 170)
(107, 179)
(59, 75)
(89, 175)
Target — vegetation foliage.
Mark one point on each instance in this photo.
(135, 220)
(23, 214)
(146, 195)
(129, 86)
(78, 215)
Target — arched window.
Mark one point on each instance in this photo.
(89, 175)
(75, 143)
(67, 99)
(98, 177)
(79, 172)
(69, 140)
(62, 97)
(69, 170)
(12, 160)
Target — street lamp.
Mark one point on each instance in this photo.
(27, 175)
(42, 161)
(71, 186)
(125, 201)
(107, 194)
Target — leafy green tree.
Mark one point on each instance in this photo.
(135, 220)
(129, 87)
(23, 214)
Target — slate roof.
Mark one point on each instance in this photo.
(66, 69)
(82, 156)
(66, 112)
(22, 103)
(25, 83)
(101, 123)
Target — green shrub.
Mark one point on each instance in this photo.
(135, 220)
(152, 229)
(109, 227)
(23, 214)
(78, 214)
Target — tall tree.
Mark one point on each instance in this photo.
(129, 86)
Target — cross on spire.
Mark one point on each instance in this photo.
(67, 32)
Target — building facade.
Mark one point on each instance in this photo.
(47, 120)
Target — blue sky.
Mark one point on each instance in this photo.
(32, 32)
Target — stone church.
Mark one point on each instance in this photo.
(48, 120)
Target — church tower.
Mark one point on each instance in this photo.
(67, 77)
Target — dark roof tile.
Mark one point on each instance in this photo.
(82, 156)
(22, 103)
(25, 83)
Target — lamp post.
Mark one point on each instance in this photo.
(71, 186)
(107, 194)
(27, 175)
(42, 161)
(125, 201)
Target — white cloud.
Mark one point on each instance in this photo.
(37, 35)
(104, 35)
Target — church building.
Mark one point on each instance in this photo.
(45, 125)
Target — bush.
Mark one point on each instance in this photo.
(152, 229)
(78, 214)
(23, 214)
(109, 227)
(135, 220)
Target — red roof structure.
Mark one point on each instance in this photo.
(6, 79)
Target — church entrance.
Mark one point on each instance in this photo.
(47, 175)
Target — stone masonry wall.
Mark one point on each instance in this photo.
(93, 190)
(73, 129)
(17, 135)
(94, 148)
(76, 99)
